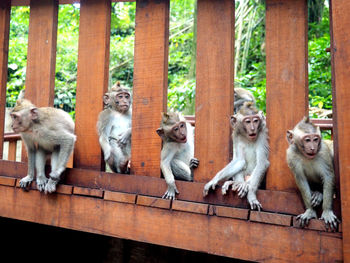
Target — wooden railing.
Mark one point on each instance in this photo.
(116, 205)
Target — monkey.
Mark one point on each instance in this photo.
(311, 161)
(114, 128)
(45, 131)
(177, 154)
(241, 96)
(250, 155)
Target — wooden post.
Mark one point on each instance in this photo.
(92, 79)
(150, 84)
(340, 50)
(41, 62)
(286, 82)
(214, 90)
(5, 8)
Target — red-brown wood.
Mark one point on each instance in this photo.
(340, 50)
(286, 82)
(26, 2)
(214, 89)
(197, 232)
(92, 79)
(5, 7)
(12, 151)
(150, 84)
(41, 58)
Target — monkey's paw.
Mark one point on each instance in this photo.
(306, 216)
(255, 204)
(316, 198)
(241, 188)
(330, 219)
(226, 186)
(212, 184)
(41, 182)
(194, 163)
(50, 187)
(26, 181)
(170, 192)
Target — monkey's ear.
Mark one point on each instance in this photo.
(34, 113)
(307, 119)
(290, 137)
(165, 116)
(233, 120)
(160, 132)
(262, 116)
(106, 99)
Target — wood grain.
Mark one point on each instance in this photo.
(41, 59)
(5, 8)
(150, 84)
(340, 50)
(92, 79)
(214, 88)
(286, 82)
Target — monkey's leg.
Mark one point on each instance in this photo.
(24, 182)
(181, 170)
(40, 160)
(328, 216)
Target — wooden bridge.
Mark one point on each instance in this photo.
(130, 206)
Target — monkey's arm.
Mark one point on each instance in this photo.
(104, 140)
(167, 155)
(25, 181)
(328, 185)
(124, 138)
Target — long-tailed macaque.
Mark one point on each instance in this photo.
(114, 128)
(241, 96)
(311, 161)
(44, 131)
(250, 156)
(177, 153)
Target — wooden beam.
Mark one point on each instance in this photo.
(92, 79)
(5, 8)
(61, 2)
(41, 59)
(150, 84)
(340, 50)
(214, 89)
(223, 236)
(286, 82)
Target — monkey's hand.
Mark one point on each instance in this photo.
(226, 186)
(123, 139)
(170, 192)
(330, 219)
(253, 201)
(25, 182)
(306, 216)
(212, 184)
(194, 163)
(50, 187)
(241, 188)
(316, 198)
(41, 182)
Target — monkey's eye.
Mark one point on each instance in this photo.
(127, 96)
(248, 121)
(182, 125)
(307, 139)
(176, 129)
(316, 139)
(256, 120)
(120, 96)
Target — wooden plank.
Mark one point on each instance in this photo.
(190, 207)
(92, 79)
(5, 8)
(214, 89)
(286, 82)
(153, 202)
(119, 197)
(340, 50)
(229, 212)
(88, 192)
(9, 181)
(61, 2)
(215, 235)
(150, 84)
(12, 151)
(41, 59)
(271, 218)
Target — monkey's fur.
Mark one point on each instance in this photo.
(241, 96)
(250, 156)
(312, 164)
(177, 153)
(44, 131)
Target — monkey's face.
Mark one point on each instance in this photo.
(178, 132)
(122, 101)
(251, 126)
(310, 145)
(21, 121)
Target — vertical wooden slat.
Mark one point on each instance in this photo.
(286, 82)
(12, 150)
(150, 84)
(41, 59)
(340, 50)
(214, 89)
(5, 8)
(92, 79)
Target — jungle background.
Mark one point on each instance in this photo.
(250, 65)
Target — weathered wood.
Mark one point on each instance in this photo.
(214, 89)
(92, 79)
(190, 231)
(5, 8)
(41, 59)
(150, 84)
(12, 151)
(286, 82)
(340, 50)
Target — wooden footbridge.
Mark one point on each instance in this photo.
(130, 206)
